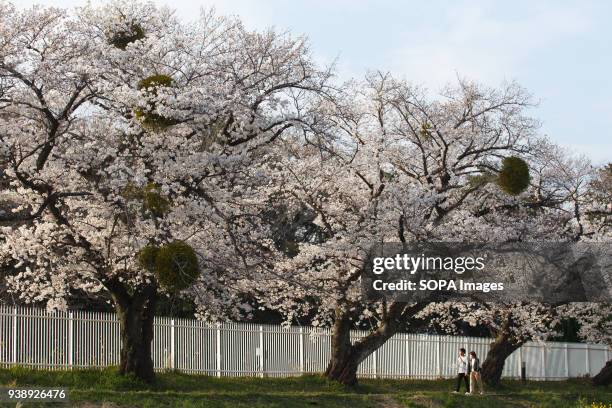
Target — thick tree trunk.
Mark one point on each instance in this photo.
(136, 312)
(346, 357)
(604, 377)
(500, 350)
(343, 364)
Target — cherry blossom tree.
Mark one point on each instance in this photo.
(129, 141)
(560, 205)
(510, 324)
(142, 156)
(595, 322)
(595, 319)
(392, 164)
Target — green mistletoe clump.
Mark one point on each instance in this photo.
(175, 265)
(121, 39)
(155, 81)
(153, 201)
(148, 118)
(513, 178)
(146, 257)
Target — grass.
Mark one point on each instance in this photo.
(105, 388)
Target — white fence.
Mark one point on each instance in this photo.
(33, 337)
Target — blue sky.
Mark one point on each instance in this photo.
(561, 51)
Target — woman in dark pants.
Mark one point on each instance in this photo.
(462, 371)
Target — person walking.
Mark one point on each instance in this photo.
(462, 371)
(475, 378)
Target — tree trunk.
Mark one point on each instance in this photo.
(136, 313)
(605, 375)
(346, 357)
(493, 365)
(343, 364)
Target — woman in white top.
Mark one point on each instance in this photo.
(462, 371)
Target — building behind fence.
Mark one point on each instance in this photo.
(80, 339)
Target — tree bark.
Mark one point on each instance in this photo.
(136, 313)
(343, 364)
(500, 350)
(604, 377)
(346, 357)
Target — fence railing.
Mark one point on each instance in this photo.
(79, 339)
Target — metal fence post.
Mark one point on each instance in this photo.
(375, 363)
(301, 350)
(588, 363)
(543, 354)
(172, 346)
(70, 340)
(218, 350)
(408, 366)
(14, 356)
(566, 361)
(261, 352)
(439, 356)
(520, 361)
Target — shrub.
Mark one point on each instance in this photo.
(513, 177)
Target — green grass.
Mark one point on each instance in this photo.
(105, 388)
